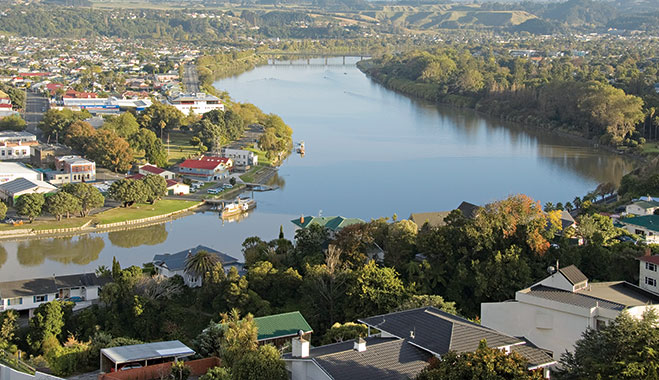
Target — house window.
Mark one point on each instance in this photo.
(15, 301)
(600, 324)
(651, 266)
(650, 281)
(40, 299)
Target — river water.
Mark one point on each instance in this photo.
(370, 152)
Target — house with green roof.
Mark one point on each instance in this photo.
(644, 206)
(646, 225)
(333, 223)
(277, 329)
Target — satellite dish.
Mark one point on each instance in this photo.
(551, 269)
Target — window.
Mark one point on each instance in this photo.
(600, 324)
(40, 299)
(15, 301)
(650, 281)
(651, 266)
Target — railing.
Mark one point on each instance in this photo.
(12, 362)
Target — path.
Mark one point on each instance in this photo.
(190, 78)
(35, 106)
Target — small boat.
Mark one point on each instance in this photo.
(238, 207)
(300, 147)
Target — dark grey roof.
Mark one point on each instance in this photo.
(384, 359)
(468, 209)
(438, 331)
(534, 356)
(566, 219)
(41, 286)
(570, 298)
(176, 261)
(135, 352)
(18, 185)
(573, 274)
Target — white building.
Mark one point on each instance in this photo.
(29, 294)
(648, 273)
(241, 157)
(642, 207)
(199, 103)
(12, 170)
(16, 145)
(646, 226)
(97, 106)
(170, 265)
(151, 169)
(10, 191)
(554, 313)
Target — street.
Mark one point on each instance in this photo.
(35, 106)
(190, 78)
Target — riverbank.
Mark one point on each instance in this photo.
(410, 89)
(138, 215)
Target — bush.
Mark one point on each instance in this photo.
(180, 371)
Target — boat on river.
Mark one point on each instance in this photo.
(300, 148)
(237, 207)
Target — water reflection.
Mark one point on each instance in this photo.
(151, 235)
(3, 256)
(80, 250)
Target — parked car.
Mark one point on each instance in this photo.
(213, 191)
(130, 366)
(227, 186)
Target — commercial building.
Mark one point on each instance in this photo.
(554, 313)
(78, 169)
(10, 191)
(241, 157)
(29, 294)
(16, 145)
(12, 170)
(170, 265)
(97, 106)
(198, 103)
(206, 168)
(44, 155)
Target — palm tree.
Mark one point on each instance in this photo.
(199, 264)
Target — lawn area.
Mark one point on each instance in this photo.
(139, 211)
(251, 174)
(46, 224)
(261, 154)
(650, 148)
(179, 147)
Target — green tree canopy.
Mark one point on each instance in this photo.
(63, 203)
(12, 123)
(90, 197)
(161, 116)
(30, 205)
(124, 125)
(156, 187)
(129, 191)
(201, 263)
(262, 364)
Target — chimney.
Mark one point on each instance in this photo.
(302, 219)
(648, 252)
(360, 345)
(300, 347)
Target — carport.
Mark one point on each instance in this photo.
(143, 354)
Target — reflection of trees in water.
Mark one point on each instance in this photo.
(81, 250)
(3, 256)
(276, 180)
(151, 235)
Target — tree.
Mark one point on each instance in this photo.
(179, 371)
(262, 364)
(110, 151)
(12, 123)
(239, 339)
(55, 123)
(47, 322)
(217, 373)
(8, 328)
(152, 145)
(377, 290)
(201, 263)
(156, 187)
(90, 197)
(3, 210)
(124, 125)
(627, 348)
(347, 331)
(128, 191)
(30, 205)
(416, 301)
(483, 364)
(78, 135)
(158, 117)
(63, 203)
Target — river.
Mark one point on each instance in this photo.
(370, 152)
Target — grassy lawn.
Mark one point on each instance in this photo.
(650, 148)
(179, 147)
(261, 154)
(46, 224)
(139, 211)
(251, 174)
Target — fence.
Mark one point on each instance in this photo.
(161, 371)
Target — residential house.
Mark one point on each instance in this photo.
(278, 329)
(646, 225)
(79, 169)
(16, 145)
(29, 294)
(469, 210)
(198, 103)
(333, 223)
(45, 155)
(152, 169)
(554, 313)
(173, 187)
(648, 273)
(5, 101)
(146, 354)
(642, 207)
(12, 170)
(170, 265)
(206, 168)
(402, 348)
(241, 157)
(434, 219)
(10, 191)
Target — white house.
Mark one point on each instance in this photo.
(151, 169)
(241, 157)
(29, 294)
(199, 103)
(648, 273)
(642, 207)
(170, 265)
(16, 145)
(177, 188)
(646, 225)
(553, 313)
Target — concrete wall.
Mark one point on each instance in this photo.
(7, 373)
(302, 369)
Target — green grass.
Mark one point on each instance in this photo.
(139, 211)
(179, 147)
(650, 148)
(263, 160)
(251, 174)
(47, 224)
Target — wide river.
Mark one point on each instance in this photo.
(370, 153)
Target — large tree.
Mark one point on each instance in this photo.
(156, 187)
(161, 117)
(154, 149)
(55, 122)
(78, 135)
(124, 125)
(30, 205)
(110, 151)
(239, 339)
(376, 290)
(263, 364)
(63, 203)
(201, 263)
(12, 123)
(90, 197)
(128, 191)
(627, 348)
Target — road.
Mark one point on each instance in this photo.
(190, 78)
(35, 105)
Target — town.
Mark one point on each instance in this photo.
(164, 171)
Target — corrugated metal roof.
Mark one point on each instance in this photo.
(651, 222)
(176, 261)
(138, 352)
(22, 184)
(281, 325)
(573, 274)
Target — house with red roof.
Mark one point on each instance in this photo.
(152, 169)
(648, 273)
(73, 94)
(5, 101)
(206, 168)
(173, 187)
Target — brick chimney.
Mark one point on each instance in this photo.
(302, 219)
